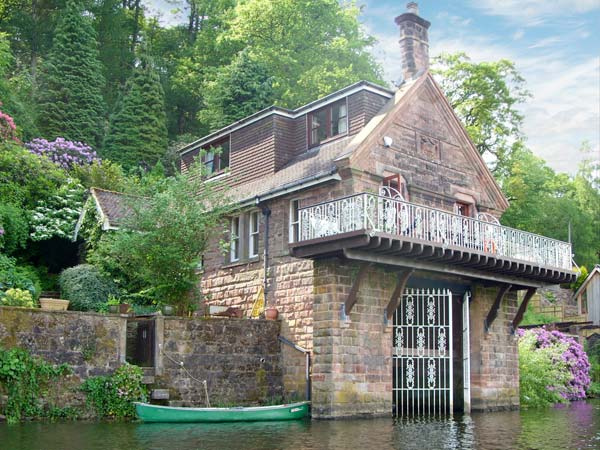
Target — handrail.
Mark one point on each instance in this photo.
(372, 212)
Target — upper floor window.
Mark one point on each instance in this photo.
(253, 234)
(216, 158)
(328, 122)
(395, 186)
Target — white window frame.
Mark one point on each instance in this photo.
(253, 233)
(234, 239)
(294, 224)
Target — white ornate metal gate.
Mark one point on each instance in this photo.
(422, 357)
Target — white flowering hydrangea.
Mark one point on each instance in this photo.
(57, 216)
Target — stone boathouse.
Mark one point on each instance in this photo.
(372, 224)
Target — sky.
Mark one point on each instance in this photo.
(555, 45)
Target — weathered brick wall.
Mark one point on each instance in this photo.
(91, 344)
(494, 355)
(352, 371)
(239, 358)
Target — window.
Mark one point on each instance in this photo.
(234, 249)
(397, 184)
(244, 237)
(463, 209)
(253, 234)
(328, 122)
(294, 221)
(216, 158)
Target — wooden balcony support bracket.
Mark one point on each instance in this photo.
(522, 308)
(397, 294)
(353, 295)
(494, 309)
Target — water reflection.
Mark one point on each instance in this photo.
(573, 426)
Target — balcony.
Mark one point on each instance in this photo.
(390, 230)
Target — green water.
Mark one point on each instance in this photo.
(575, 426)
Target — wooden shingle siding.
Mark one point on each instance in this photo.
(286, 147)
(253, 151)
(362, 107)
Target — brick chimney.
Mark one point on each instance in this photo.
(414, 41)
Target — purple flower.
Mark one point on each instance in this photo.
(66, 154)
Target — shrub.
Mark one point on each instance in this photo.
(26, 178)
(24, 378)
(19, 277)
(85, 287)
(58, 215)
(14, 228)
(18, 297)
(66, 154)
(553, 367)
(113, 396)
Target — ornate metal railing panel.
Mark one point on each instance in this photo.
(376, 213)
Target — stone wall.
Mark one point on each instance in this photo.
(91, 344)
(352, 371)
(240, 359)
(494, 355)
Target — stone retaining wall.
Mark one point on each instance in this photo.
(240, 358)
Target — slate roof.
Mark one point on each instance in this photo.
(318, 162)
(112, 207)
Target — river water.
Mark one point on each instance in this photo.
(574, 426)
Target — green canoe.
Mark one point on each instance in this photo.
(156, 413)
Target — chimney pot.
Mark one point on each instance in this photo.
(413, 8)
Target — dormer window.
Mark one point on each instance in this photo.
(216, 161)
(328, 122)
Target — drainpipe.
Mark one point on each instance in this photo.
(308, 362)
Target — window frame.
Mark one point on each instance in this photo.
(294, 225)
(328, 122)
(217, 158)
(470, 208)
(235, 239)
(253, 234)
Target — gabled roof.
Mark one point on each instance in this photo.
(289, 113)
(593, 273)
(111, 206)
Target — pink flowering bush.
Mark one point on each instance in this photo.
(553, 367)
(8, 129)
(66, 154)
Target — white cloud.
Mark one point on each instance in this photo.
(518, 35)
(546, 42)
(534, 12)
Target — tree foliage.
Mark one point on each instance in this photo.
(159, 247)
(235, 91)
(485, 96)
(311, 47)
(70, 93)
(138, 130)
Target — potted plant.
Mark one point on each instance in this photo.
(271, 313)
(113, 304)
(168, 310)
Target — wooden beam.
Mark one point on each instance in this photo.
(352, 296)
(494, 310)
(522, 308)
(446, 269)
(397, 294)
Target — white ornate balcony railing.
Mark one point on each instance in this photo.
(376, 213)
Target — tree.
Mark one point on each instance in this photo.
(547, 203)
(311, 47)
(485, 96)
(138, 130)
(236, 91)
(70, 93)
(159, 247)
